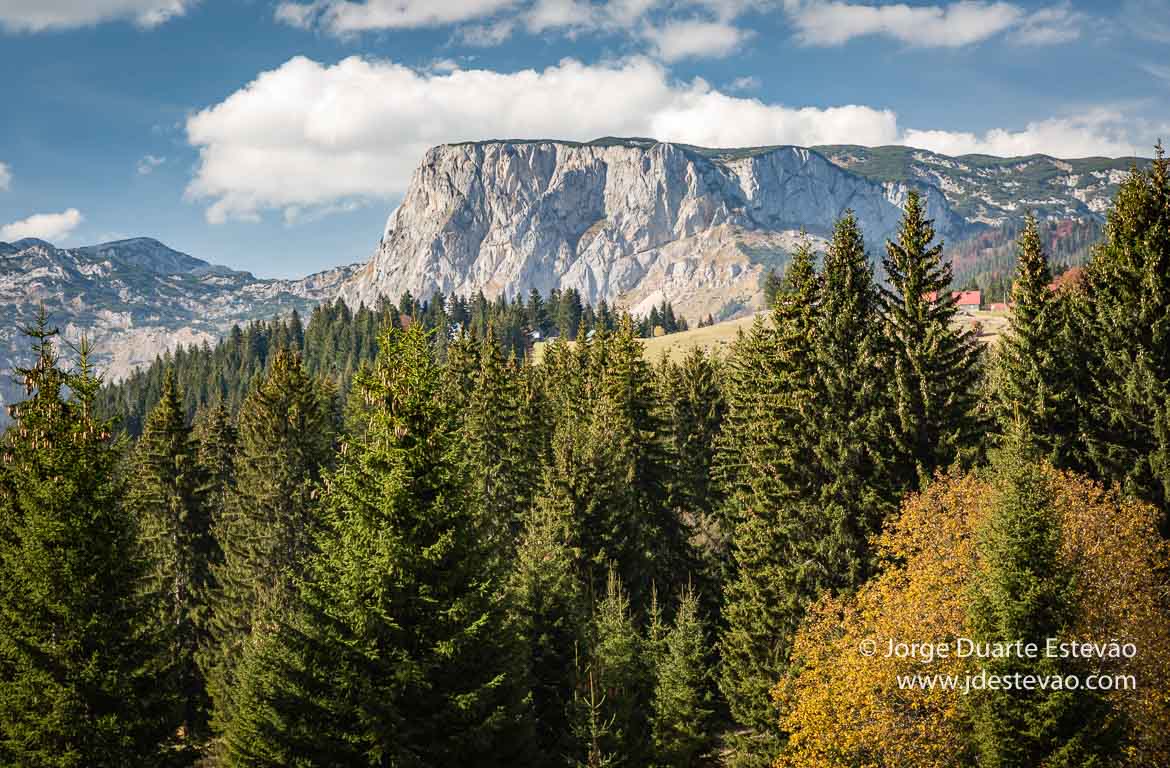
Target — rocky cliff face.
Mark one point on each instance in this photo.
(635, 221)
(134, 299)
(628, 221)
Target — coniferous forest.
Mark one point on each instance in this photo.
(390, 537)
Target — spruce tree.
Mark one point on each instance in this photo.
(169, 498)
(764, 459)
(682, 723)
(628, 519)
(271, 518)
(933, 367)
(1127, 305)
(549, 613)
(1024, 592)
(1033, 376)
(502, 473)
(694, 410)
(850, 464)
(83, 669)
(398, 641)
(616, 667)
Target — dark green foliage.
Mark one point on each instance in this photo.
(1034, 376)
(683, 689)
(498, 445)
(849, 422)
(615, 726)
(270, 516)
(172, 500)
(1024, 593)
(549, 616)
(83, 671)
(692, 398)
(764, 461)
(934, 367)
(627, 518)
(406, 598)
(813, 483)
(1127, 321)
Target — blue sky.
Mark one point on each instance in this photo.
(277, 136)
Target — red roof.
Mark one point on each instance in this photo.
(967, 298)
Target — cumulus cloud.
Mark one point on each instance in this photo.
(46, 226)
(307, 135)
(41, 15)
(148, 163)
(5, 177)
(695, 39)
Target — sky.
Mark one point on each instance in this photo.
(276, 136)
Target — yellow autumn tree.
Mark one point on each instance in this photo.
(842, 704)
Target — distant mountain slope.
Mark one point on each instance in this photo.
(134, 298)
(996, 190)
(635, 221)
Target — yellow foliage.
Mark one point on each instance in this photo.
(844, 708)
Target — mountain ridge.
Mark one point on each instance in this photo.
(634, 221)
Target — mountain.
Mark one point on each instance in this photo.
(631, 221)
(636, 221)
(134, 299)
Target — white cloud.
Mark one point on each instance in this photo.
(306, 136)
(5, 177)
(486, 35)
(40, 15)
(342, 16)
(745, 83)
(46, 226)
(148, 163)
(1096, 132)
(1050, 26)
(695, 39)
(950, 26)
(680, 28)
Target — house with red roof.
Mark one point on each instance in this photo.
(968, 301)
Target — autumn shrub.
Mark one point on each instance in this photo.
(842, 707)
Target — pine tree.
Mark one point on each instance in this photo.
(1024, 593)
(270, 520)
(683, 690)
(168, 497)
(933, 367)
(399, 642)
(82, 667)
(1033, 375)
(1127, 304)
